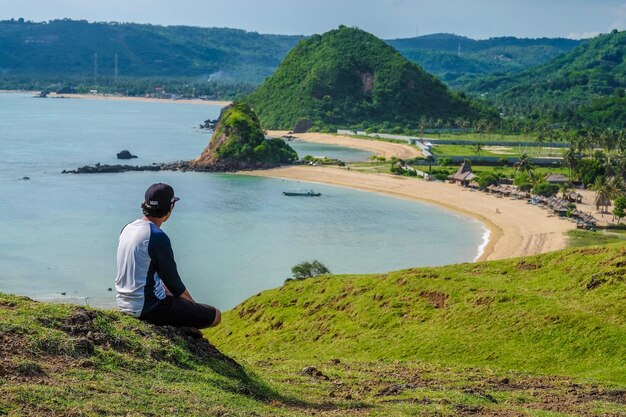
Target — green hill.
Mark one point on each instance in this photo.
(537, 336)
(239, 142)
(60, 55)
(66, 48)
(560, 313)
(594, 69)
(457, 59)
(348, 77)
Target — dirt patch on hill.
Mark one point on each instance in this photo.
(436, 299)
(425, 388)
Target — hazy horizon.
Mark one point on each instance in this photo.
(479, 19)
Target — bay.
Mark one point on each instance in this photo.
(233, 235)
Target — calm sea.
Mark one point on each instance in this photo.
(233, 235)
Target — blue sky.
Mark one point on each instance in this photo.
(385, 18)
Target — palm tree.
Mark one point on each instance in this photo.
(570, 160)
(524, 165)
(604, 192)
(478, 148)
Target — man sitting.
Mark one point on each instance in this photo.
(148, 285)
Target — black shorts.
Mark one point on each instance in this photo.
(174, 311)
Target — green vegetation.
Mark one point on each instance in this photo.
(545, 189)
(239, 142)
(66, 360)
(582, 238)
(465, 150)
(309, 270)
(309, 159)
(66, 48)
(554, 91)
(60, 53)
(513, 337)
(558, 313)
(347, 77)
(457, 59)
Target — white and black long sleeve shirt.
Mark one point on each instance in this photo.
(145, 266)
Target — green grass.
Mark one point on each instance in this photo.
(462, 150)
(535, 315)
(501, 152)
(510, 172)
(483, 137)
(537, 336)
(581, 238)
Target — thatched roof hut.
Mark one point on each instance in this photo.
(574, 197)
(463, 175)
(556, 179)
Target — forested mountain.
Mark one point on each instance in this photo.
(68, 47)
(592, 76)
(65, 49)
(348, 77)
(458, 59)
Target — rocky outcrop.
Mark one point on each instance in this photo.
(125, 154)
(239, 143)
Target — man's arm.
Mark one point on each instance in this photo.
(161, 253)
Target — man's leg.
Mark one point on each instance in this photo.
(184, 313)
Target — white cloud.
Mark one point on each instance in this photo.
(584, 35)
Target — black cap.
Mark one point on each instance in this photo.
(160, 197)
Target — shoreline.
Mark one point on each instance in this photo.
(125, 98)
(377, 147)
(517, 229)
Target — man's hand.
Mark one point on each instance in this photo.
(187, 296)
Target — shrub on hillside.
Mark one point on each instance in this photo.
(309, 269)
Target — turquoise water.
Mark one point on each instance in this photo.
(233, 236)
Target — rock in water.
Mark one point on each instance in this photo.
(125, 154)
(239, 143)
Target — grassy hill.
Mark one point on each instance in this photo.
(348, 77)
(537, 336)
(594, 69)
(561, 313)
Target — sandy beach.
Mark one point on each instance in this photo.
(519, 229)
(142, 99)
(378, 147)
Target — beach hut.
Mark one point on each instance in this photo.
(574, 197)
(557, 179)
(463, 175)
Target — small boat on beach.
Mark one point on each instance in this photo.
(301, 193)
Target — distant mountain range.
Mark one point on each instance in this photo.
(66, 47)
(457, 59)
(592, 74)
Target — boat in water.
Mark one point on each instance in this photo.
(300, 193)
